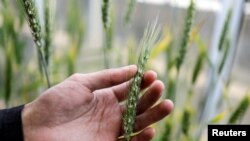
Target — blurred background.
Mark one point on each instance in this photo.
(211, 37)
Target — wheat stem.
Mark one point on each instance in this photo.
(225, 30)
(198, 66)
(225, 56)
(240, 110)
(47, 39)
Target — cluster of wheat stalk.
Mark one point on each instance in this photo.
(177, 126)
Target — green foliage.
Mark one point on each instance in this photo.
(76, 33)
(218, 118)
(8, 73)
(183, 124)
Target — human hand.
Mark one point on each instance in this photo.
(88, 107)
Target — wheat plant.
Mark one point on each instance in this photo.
(34, 24)
(106, 14)
(186, 35)
(225, 30)
(240, 110)
(47, 33)
(108, 30)
(129, 10)
(148, 41)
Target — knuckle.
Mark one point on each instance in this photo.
(75, 76)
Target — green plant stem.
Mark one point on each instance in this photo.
(225, 30)
(44, 66)
(198, 67)
(47, 38)
(8, 75)
(225, 56)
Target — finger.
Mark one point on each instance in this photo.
(153, 115)
(148, 78)
(151, 96)
(146, 135)
(121, 91)
(106, 78)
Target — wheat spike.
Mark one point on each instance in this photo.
(149, 40)
(106, 14)
(130, 8)
(186, 34)
(34, 24)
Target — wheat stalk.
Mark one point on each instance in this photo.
(106, 14)
(149, 40)
(240, 110)
(166, 135)
(225, 30)
(198, 66)
(34, 24)
(186, 121)
(225, 56)
(47, 38)
(186, 34)
(129, 10)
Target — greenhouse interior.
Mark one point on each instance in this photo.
(196, 52)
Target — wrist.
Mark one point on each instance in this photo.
(27, 122)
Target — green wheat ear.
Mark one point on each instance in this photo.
(168, 128)
(240, 110)
(34, 24)
(32, 18)
(106, 14)
(129, 10)
(198, 66)
(186, 35)
(186, 120)
(148, 41)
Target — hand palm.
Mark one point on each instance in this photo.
(72, 111)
